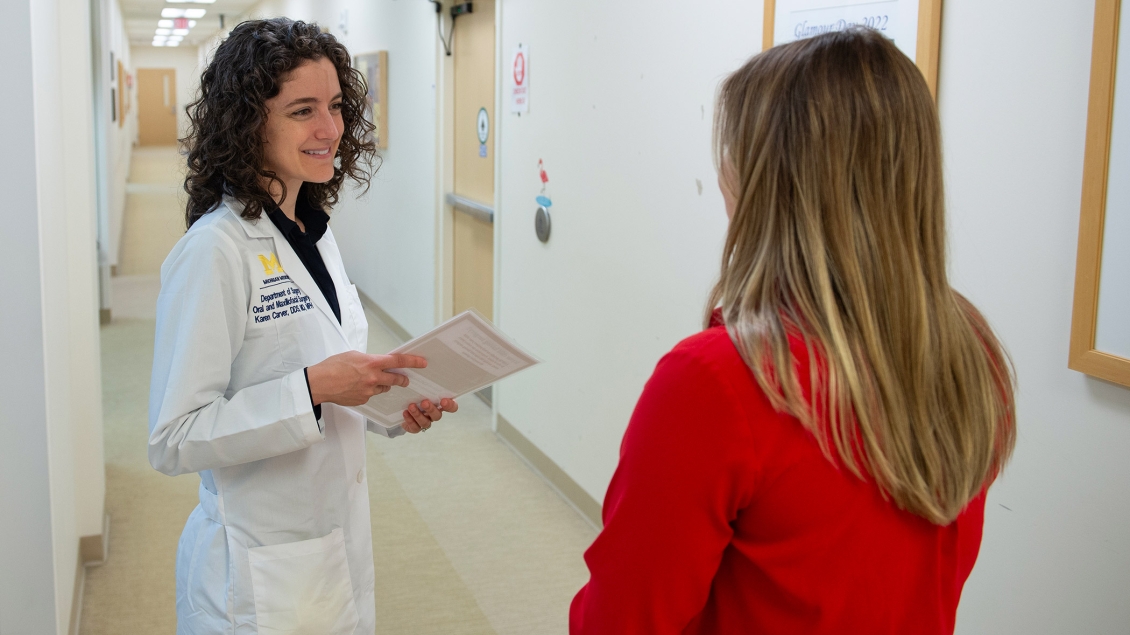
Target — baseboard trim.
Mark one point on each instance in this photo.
(561, 482)
(384, 317)
(92, 551)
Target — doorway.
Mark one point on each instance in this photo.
(473, 149)
(157, 106)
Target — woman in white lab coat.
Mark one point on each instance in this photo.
(260, 342)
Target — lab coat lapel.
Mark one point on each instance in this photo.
(293, 266)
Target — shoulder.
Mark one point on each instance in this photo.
(213, 239)
(710, 350)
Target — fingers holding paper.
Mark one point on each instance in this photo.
(351, 378)
(420, 417)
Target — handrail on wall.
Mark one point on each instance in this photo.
(474, 208)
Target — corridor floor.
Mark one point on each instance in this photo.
(466, 538)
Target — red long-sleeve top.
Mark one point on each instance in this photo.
(725, 517)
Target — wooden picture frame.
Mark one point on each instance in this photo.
(374, 66)
(123, 96)
(1085, 355)
(927, 34)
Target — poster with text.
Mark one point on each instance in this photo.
(799, 19)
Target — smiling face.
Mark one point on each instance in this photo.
(304, 127)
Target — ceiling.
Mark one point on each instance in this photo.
(141, 18)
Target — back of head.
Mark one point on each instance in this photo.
(838, 237)
(225, 141)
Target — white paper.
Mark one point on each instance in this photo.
(465, 354)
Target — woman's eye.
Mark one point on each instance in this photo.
(336, 106)
(301, 113)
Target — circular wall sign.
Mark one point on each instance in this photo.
(519, 69)
(484, 125)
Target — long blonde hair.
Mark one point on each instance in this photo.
(838, 238)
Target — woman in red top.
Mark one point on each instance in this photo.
(858, 406)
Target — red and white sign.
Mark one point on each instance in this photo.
(520, 80)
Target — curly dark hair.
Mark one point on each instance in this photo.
(225, 140)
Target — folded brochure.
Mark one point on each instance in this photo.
(465, 354)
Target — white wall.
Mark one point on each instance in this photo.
(49, 316)
(27, 580)
(84, 346)
(621, 106)
(119, 139)
(387, 237)
(184, 60)
(1013, 99)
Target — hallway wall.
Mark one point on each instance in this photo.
(615, 114)
(622, 120)
(388, 237)
(51, 460)
(1013, 101)
(119, 138)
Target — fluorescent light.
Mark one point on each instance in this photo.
(164, 24)
(172, 43)
(191, 23)
(190, 1)
(158, 42)
(161, 32)
(176, 38)
(181, 32)
(192, 14)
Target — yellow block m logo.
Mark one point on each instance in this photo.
(270, 264)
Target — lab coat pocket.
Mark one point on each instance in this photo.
(303, 588)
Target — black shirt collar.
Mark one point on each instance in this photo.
(315, 220)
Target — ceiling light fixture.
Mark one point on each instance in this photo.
(164, 24)
(192, 14)
(161, 32)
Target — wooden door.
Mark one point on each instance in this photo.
(473, 239)
(157, 106)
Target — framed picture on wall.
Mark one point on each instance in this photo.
(123, 95)
(374, 66)
(914, 25)
(1100, 318)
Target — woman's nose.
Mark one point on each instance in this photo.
(327, 126)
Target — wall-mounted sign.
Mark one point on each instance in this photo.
(374, 66)
(482, 126)
(520, 79)
(914, 25)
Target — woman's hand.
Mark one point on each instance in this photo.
(350, 378)
(419, 417)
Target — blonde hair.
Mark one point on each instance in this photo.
(838, 239)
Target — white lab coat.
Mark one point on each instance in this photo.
(280, 542)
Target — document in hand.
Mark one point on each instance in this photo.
(465, 354)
